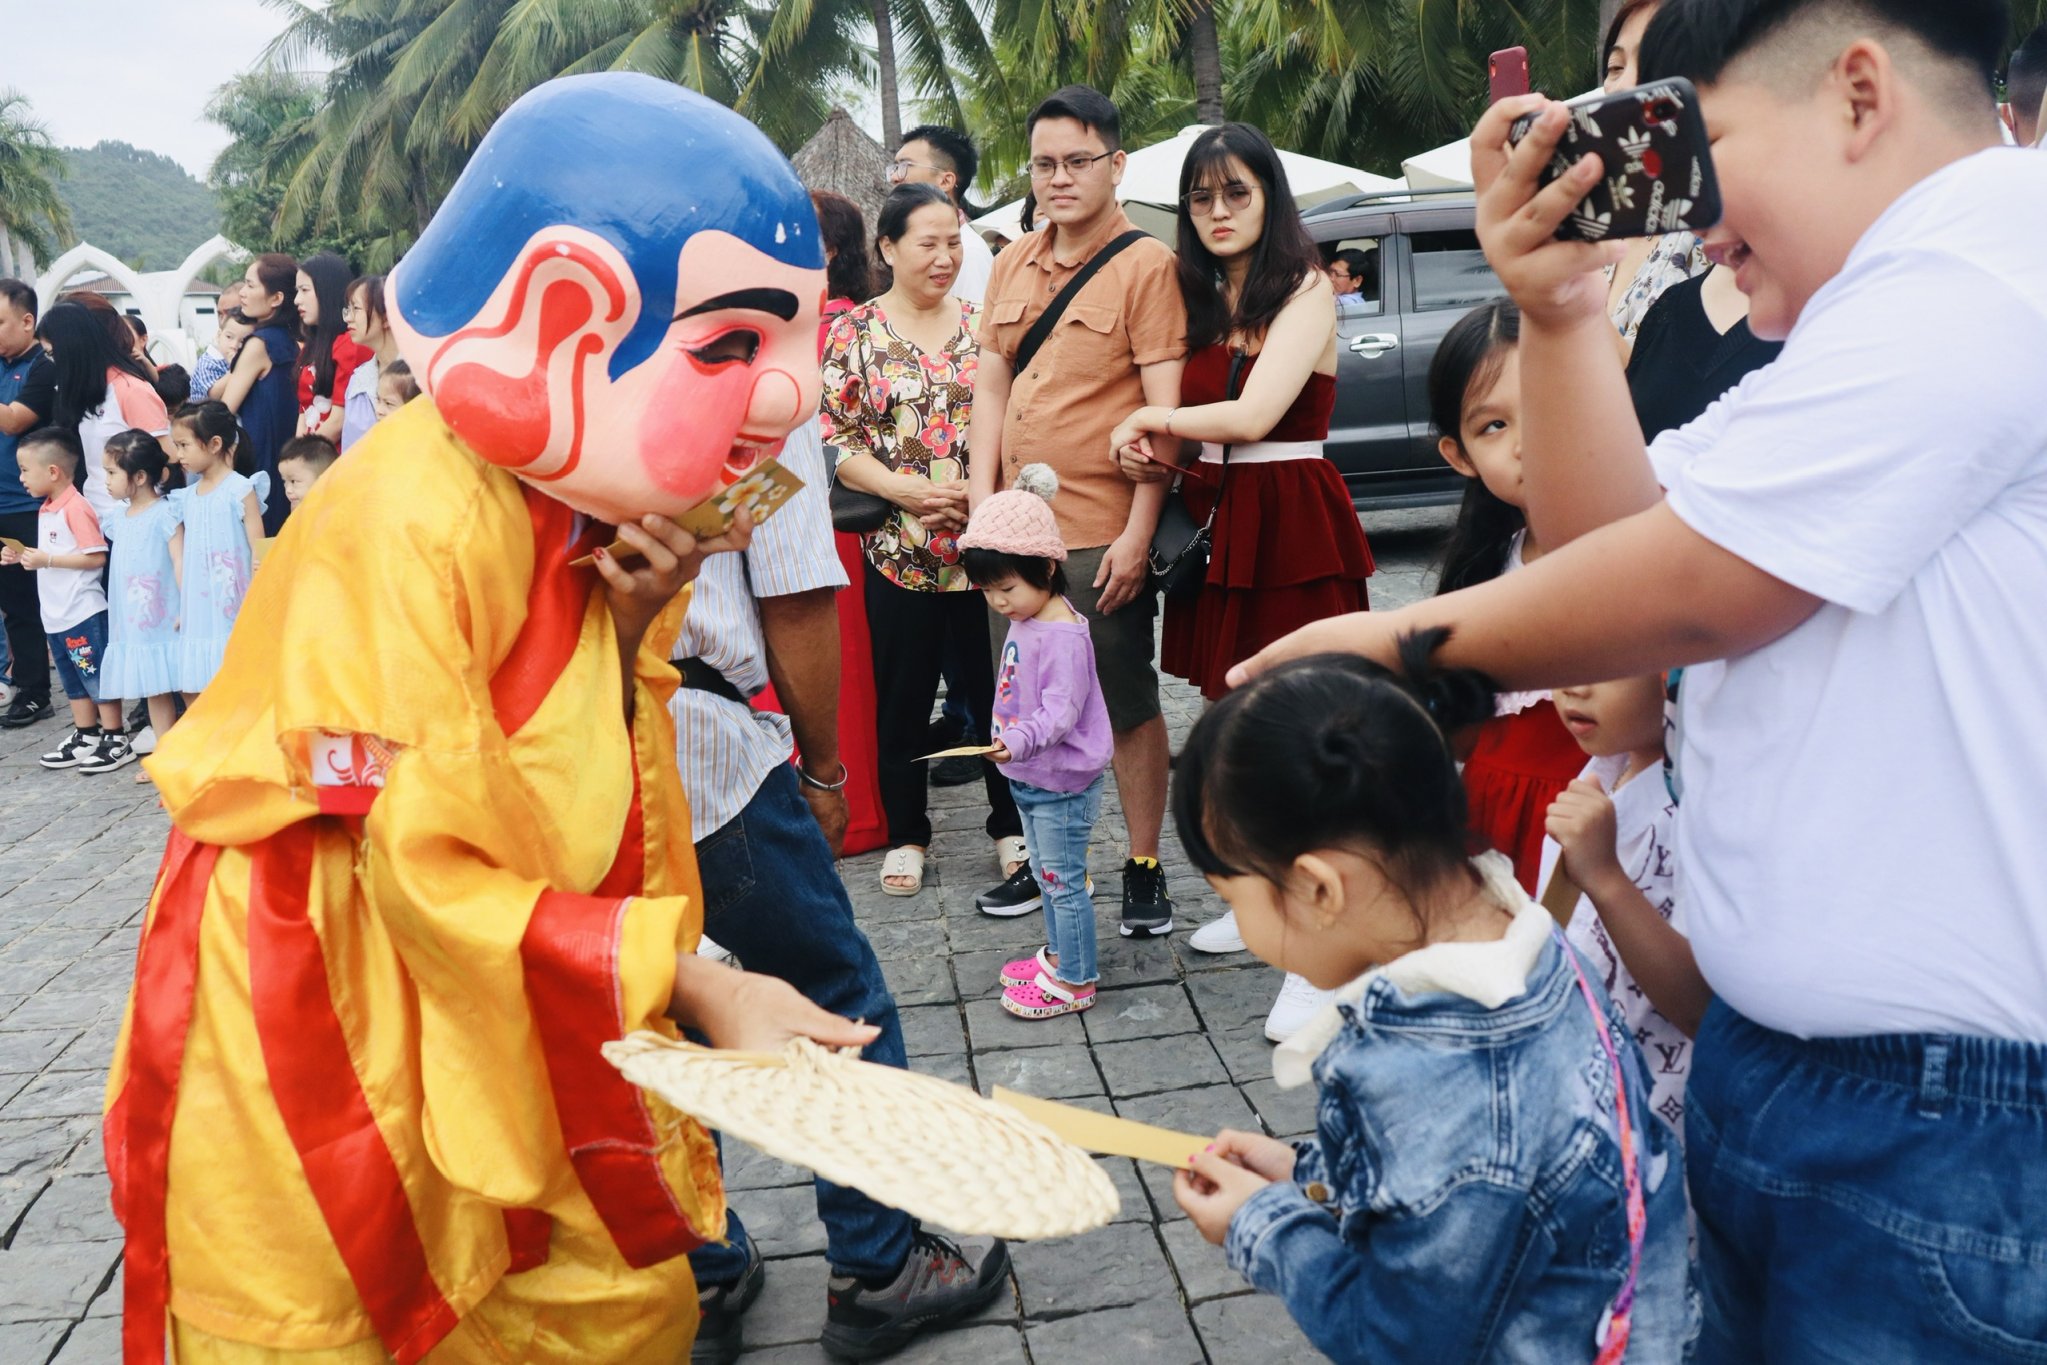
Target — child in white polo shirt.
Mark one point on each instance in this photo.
(70, 551)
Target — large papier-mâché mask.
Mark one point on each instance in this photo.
(618, 301)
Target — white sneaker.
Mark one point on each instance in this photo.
(144, 740)
(1298, 1003)
(1218, 936)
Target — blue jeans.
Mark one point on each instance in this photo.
(1868, 1200)
(1056, 827)
(773, 896)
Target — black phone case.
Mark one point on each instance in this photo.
(1659, 171)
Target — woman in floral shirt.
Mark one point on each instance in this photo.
(899, 390)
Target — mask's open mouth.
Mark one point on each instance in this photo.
(746, 453)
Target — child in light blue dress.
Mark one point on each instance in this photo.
(222, 512)
(142, 584)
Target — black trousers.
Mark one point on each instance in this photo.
(27, 646)
(909, 631)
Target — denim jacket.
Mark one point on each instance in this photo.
(1462, 1198)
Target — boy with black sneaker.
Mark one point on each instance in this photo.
(70, 551)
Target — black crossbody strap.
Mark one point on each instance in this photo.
(1027, 349)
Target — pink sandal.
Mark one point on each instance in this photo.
(1047, 998)
(1024, 970)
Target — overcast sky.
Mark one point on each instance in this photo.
(141, 71)
(134, 71)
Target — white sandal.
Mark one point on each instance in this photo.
(1011, 852)
(907, 861)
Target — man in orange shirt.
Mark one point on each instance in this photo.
(1119, 344)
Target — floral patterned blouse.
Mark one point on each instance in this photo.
(1676, 257)
(908, 408)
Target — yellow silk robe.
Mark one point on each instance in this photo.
(394, 1013)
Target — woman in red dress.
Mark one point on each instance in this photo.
(1287, 546)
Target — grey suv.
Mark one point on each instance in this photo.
(1420, 270)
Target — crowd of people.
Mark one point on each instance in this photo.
(1660, 920)
(140, 497)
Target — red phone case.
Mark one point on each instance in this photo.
(1507, 73)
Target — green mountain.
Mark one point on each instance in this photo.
(141, 206)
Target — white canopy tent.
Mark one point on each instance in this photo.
(1447, 167)
(1440, 168)
(1151, 185)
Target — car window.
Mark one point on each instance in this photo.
(1450, 271)
(1362, 262)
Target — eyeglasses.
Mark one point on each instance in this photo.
(900, 168)
(1077, 165)
(1236, 194)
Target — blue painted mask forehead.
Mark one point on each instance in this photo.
(641, 162)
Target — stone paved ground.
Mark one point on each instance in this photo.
(1175, 1040)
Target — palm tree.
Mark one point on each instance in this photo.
(1040, 45)
(932, 41)
(741, 53)
(33, 217)
(1369, 81)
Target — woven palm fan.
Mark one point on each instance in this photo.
(933, 1149)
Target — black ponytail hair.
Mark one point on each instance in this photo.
(214, 420)
(136, 452)
(1333, 751)
(1470, 356)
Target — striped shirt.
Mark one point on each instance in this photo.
(726, 750)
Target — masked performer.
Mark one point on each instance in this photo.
(430, 850)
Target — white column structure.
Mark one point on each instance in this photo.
(160, 296)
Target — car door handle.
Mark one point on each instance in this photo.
(1374, 343)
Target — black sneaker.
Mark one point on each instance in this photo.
(25, 711)
(955, 772)
(138, 718)
(945, 1279)
(1017, 896)
(114, 751)
(720, 1334)
(72, 751)
(1147, 909)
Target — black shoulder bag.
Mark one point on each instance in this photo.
(1180, 549)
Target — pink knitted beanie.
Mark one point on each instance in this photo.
(1019, 520)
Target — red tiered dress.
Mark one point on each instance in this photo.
(1522, 760)
(1288, 549)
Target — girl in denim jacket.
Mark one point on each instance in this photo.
(1486, 1181)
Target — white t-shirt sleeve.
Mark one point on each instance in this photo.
(1892, 419)
(977, 263)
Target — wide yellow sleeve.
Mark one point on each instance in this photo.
(395, 595)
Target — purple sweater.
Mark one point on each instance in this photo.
(1049, 711)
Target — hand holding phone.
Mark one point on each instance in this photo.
(1657, 169)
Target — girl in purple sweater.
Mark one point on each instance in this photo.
(1051, 732)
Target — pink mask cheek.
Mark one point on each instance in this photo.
(691, 419)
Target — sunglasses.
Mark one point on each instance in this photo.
(1236, 194)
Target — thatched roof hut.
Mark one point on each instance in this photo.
(841, 157)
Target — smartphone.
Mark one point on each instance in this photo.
(1659, 170)
(1507, 73)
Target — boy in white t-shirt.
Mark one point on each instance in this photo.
(69, 553)
(1848, 552)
